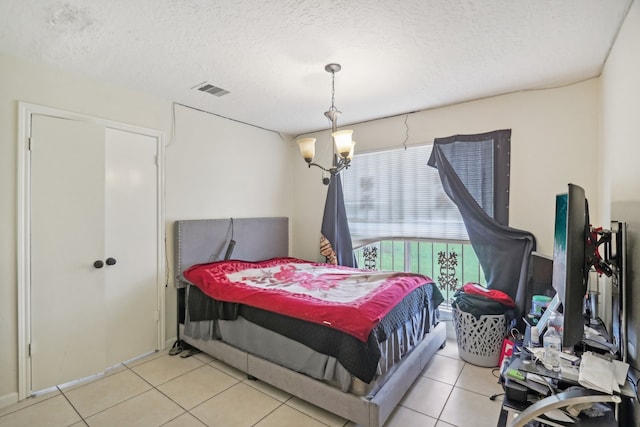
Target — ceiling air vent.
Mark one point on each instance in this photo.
(211, 89)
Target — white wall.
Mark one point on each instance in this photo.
(554, 141)
(214, 168)
(621, 153)
(218, 168)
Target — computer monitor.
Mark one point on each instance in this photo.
(570, 265)
(539, 279)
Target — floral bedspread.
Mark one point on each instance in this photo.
(348, 299)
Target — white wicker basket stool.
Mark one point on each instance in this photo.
(479, 340)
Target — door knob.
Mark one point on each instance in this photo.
(111, 261)
(98, 264)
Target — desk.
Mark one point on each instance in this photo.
(573, 395)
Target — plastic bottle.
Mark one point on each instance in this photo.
(552, 342)
(535, 337)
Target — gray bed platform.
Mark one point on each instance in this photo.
(199, 241)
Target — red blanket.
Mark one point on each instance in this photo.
(348, 299)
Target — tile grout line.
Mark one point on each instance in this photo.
(419, 412)
(455, 385)
(44, 399)
(445, 405)
(282, 403)
(129, 368)
(112, 406)
(455, 381)
(269, 413)
(153, 387)
(473, 391)
(72, 405)
(291, 397)
(186, 411)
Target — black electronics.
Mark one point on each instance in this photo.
(514, 391)
(232, 244)
(540, 278)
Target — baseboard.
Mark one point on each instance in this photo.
(8, 399)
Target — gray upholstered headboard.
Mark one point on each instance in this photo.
(205, 240)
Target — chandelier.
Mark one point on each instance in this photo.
(342, 139)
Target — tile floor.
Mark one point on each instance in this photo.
(163, 390)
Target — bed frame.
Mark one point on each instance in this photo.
(200, 241)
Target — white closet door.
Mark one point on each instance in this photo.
(94, 199)
(67, 236)
(131, 240)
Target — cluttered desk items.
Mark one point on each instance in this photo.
(592, 371)
(571, 401)
(594, 380)
(602, 374)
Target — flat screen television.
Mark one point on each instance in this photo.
(570, 265)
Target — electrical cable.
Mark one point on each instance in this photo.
(634, 384)
(406, 131)
(167, 269)
(603, 325)
(231, 245)
(227, 118)
(515, 334)
(173, 124)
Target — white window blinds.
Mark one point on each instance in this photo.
(394, 194)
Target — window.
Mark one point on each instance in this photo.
(401, 219)
(394, 194)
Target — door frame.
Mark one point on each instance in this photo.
(25, 112)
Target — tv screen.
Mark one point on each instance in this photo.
(570, 269)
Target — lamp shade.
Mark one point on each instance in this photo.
(353, 146)
(343, 142)
(307, 148)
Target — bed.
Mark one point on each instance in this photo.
(358, 374)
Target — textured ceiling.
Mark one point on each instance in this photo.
(397, 56)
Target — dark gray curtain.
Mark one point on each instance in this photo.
(335, 239)
(503, 252)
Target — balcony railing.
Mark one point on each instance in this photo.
(450, 264)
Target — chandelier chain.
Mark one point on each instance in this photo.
(333, 91)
